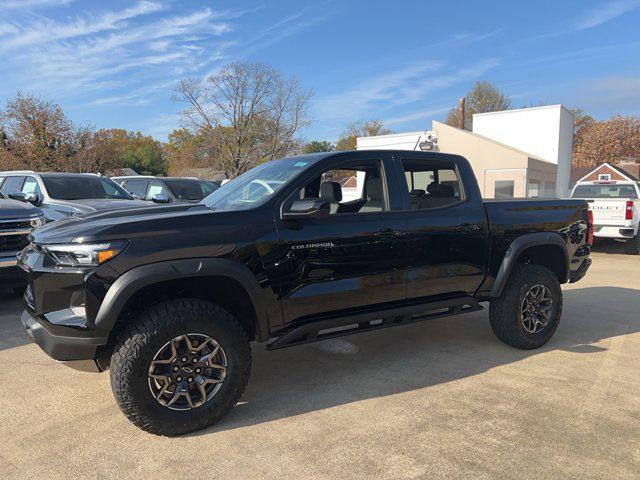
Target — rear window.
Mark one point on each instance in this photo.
(186, 189)
(62, 187)
(604, 191)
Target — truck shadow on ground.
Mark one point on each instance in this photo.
(314, 377)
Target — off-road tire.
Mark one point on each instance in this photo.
(505, 312)
(632, 246)
(152, 329)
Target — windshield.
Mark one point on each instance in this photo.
(255, 186)
(63, 187)
(187, 189)
(604, 191)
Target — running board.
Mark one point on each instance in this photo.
(332, 327)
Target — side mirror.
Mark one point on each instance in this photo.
(33, 198)
(19, 196)
(160, 198)
(302, 209)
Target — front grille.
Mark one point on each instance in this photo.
(17, 225)
(12, 243)
(13, 236)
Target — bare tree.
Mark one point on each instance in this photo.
(248, 114)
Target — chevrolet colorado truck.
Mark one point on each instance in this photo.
(168, 298)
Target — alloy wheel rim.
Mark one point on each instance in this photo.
(536, 309)
(187, 371)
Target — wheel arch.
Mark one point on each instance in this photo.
(221, 275)
(547, 249)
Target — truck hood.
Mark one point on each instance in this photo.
(119, 224)
(91, 205)
(13, 209)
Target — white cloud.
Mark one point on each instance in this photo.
(403, 86)
(619, 94)
(421, 115)
(44, 30)
(29, 4)
(605, 12)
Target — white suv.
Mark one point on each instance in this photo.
(616, 210)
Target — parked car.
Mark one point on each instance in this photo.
(17, 219)
(169, 298)
(167, 189)
(60, 195)
(616, 210)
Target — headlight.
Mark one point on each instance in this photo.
(84, 254)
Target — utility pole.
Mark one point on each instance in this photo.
(461, 109)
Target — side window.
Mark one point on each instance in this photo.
(12, 185)
(431, 183)
(352, 187)
(31, 186)
(156, 188)
(1, 180)
(136, 187)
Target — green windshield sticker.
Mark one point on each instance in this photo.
(300, 164)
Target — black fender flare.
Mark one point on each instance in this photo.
(131, 282)
(518, 246)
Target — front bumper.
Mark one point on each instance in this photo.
(73, 347)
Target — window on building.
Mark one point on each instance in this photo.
(604, 177)
(550, 189)
(503, 189)
(534, 188)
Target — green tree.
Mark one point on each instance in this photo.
(361, 128)
(483, 97)
(146, 159)
(317, 146)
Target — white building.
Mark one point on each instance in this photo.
(514, 153)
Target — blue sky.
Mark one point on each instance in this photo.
(114, 63)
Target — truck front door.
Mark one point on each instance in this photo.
(351, 259)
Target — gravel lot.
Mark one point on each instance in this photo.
(441, 399)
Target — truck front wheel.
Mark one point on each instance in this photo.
(180, 366)
(527, 313)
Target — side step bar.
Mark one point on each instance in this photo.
(332, 327)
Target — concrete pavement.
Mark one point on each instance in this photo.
(440, 399)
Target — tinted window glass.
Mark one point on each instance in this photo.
(63, 187)
(605, 191)
(136, 187)
(431, 183)
(187, 189)
(12, 185)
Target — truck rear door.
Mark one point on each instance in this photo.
(447, 234)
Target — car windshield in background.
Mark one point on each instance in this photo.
(187, 189)
(254, 187)
(66, 187)
(605, 191)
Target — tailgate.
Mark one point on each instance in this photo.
(608, 212)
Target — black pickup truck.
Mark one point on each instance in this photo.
(294, 251)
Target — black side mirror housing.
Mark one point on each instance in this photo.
(302, 209)
(19, 196)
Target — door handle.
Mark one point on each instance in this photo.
(468, 228)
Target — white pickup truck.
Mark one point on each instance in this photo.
(616, 210)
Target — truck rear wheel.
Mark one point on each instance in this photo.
(632, 246)
(180, 366)
(528, 312)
